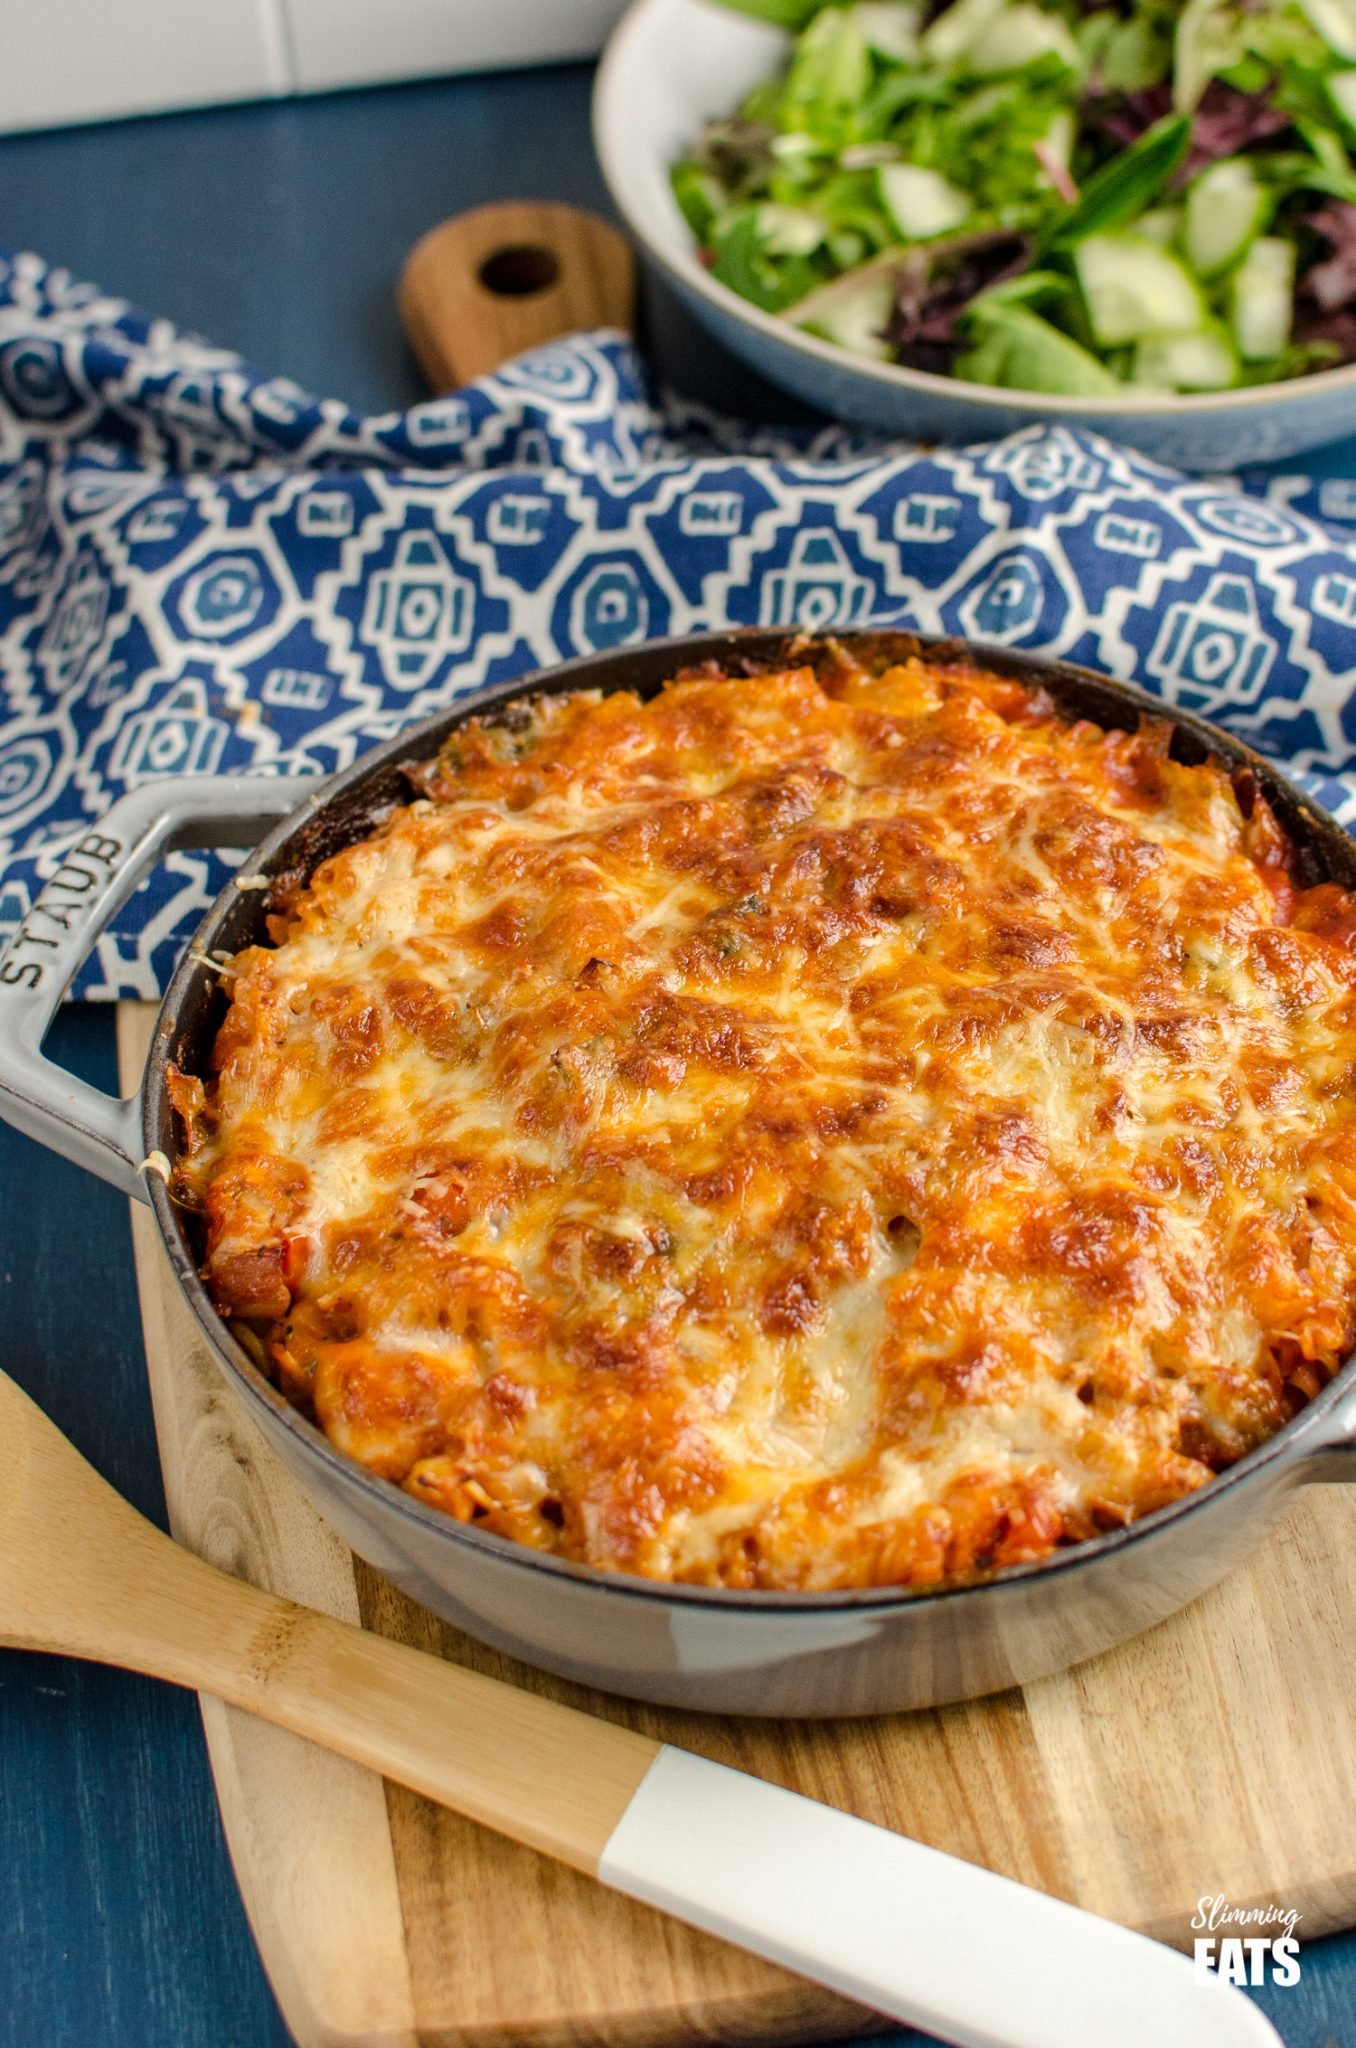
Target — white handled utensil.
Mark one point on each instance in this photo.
(924, 1937)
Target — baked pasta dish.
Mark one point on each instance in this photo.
(838, 1126)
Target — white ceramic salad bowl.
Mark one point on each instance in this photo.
(674, 64)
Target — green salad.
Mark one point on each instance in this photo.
(1090, 200)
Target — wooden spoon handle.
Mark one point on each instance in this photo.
(532, 1769)
(488, 284)
(87, 1576)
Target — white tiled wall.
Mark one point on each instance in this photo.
(82, 60)
(352, 42)
(91, 60)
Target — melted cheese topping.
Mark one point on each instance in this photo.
(836, 1127)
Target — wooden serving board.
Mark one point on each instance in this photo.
(1215, 1755)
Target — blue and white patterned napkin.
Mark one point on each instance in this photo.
(205, 569)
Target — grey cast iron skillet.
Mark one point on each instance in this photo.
(738, 1652)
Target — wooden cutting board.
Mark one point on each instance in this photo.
(1215, 1755)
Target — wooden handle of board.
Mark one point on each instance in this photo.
(85, 1575)
(488, 284)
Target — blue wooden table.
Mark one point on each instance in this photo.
(277, 230)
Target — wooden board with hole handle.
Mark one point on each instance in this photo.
(1215, 1755)
(488, 284)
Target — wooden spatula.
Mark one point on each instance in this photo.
(922, 1936)
(488, 284)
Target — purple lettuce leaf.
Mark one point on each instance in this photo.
(1326, 294)
(934, 285)
(1226, 122)
(1331, 283)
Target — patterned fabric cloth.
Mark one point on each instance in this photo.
(205, 569)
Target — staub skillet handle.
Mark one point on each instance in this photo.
(95, 879)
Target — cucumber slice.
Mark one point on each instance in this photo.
(1335, 21)
(852, 311)
(889, 27)
(830, 71)
(1262, 299)
(1225, 210)
(1132, 288)
(1017, 37)
(1186, 362)
(1328, 146)
(1209, 38)
(920, 202)
(1018, 350)
(1162, 224)
(955, 30)
(789, 230)
(793, 145)
(1341, 87)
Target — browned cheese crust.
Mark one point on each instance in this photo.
(817, 1129)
